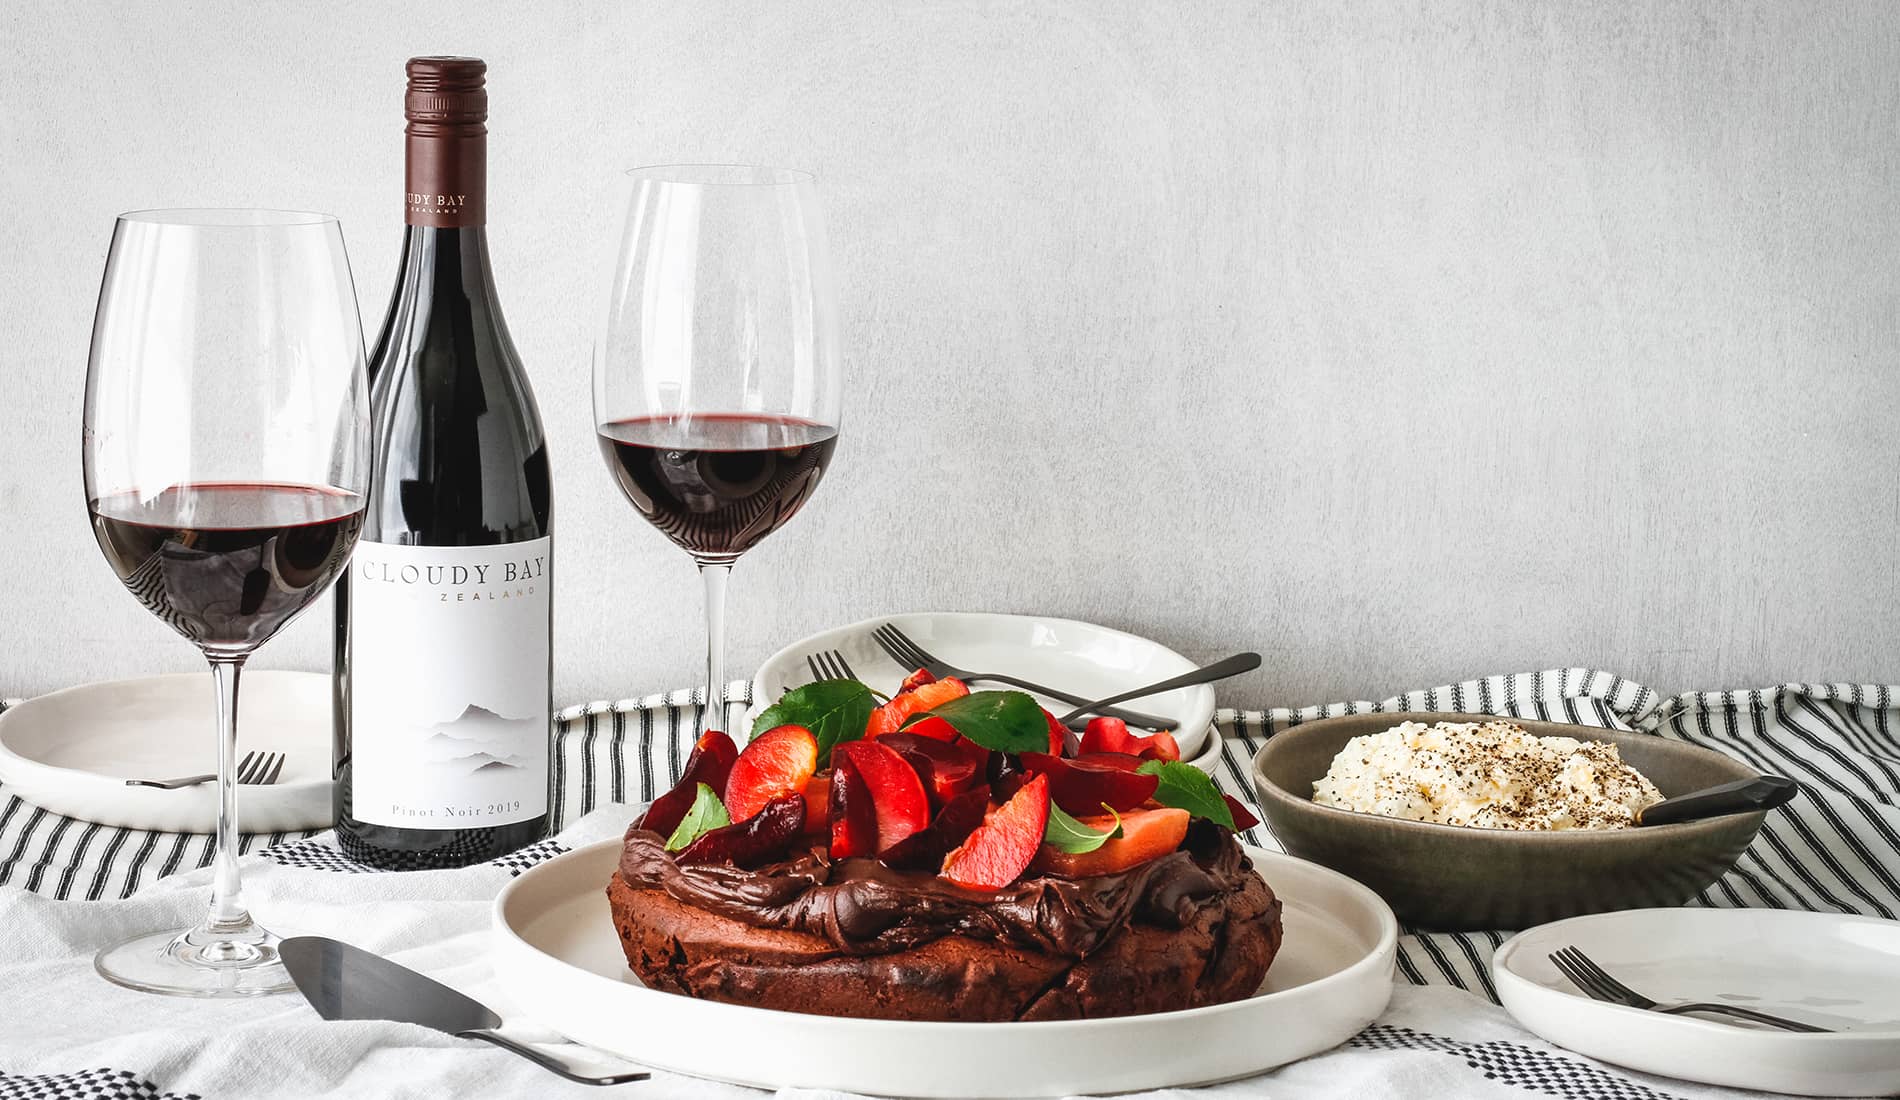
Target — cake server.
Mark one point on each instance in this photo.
(348, 983)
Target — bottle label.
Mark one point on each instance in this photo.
(444, 178)
(449, 678)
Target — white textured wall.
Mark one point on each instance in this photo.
(1401, 342)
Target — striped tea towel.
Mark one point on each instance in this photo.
(1835, 849)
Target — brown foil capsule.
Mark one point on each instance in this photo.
(446, 142)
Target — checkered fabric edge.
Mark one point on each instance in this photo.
(86, 1084)
(320, 853)
(1513, 1064)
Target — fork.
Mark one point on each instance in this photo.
(829, 665)
(254, 769)
(908, 653)
(1599, 985)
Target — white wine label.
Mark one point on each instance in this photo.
(449, 684)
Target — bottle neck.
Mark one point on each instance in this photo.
(441, 264)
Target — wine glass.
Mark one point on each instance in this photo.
(226, 458)
(716, 378)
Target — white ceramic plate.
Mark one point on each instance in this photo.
(559, 959)
(71, 751)
(1821, 968)
(1091, 661)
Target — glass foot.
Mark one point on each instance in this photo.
(198, 963)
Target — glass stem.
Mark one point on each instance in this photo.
(227, 902)
(715, 574)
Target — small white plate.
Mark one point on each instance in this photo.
(1825, 969)
(71, 751)
(1091, 661)
(558, 957)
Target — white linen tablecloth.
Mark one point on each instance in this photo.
(65, 1032)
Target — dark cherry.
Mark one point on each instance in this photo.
(755, 840)
(710, 763)
(946, 769)
(1006, 775)
(1121, 761)
(1083, 787)
(1243, 817)
(953, 825)
(853, 813)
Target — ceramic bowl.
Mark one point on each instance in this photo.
(1452, 877)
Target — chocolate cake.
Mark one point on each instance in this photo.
(853, 937)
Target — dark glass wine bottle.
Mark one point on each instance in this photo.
(443, 621)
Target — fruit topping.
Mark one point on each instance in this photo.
(853, 815)
(1006, 775)
(931, 726)
(835, 711)
(1105, 734)
(1084, 786)
(1120, 761)
(1243, 817)
(890, 717)
(778, 762)
(756, 840)
(710, 763)
(897, 793)
(1146, 834)
(1006, 843)
(1058, 734)
(818, 804)
(1186, 787)
(953, 825)
(947, 770)
(705, 815)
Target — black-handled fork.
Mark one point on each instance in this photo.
(255, 769)
(908, 653)
(1597, 983)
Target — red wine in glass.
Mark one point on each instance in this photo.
(718, 483)
(227, 564)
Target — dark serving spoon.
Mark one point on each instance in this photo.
(1764, 792)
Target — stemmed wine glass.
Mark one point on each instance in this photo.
(716, 378)
(226, 458)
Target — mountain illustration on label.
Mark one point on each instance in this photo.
(480, 740)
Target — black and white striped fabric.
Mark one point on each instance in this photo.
(1835, 849)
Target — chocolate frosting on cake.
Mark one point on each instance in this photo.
(865, 908)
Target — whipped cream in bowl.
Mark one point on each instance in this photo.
(1464, 821)
(1488, 775)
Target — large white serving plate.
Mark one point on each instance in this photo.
(1088, 660)
(557, 955)
(71, 751)
(1834, 971)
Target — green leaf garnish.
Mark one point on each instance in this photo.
(1186, 787)
(1067, 834)
(706, 814)
(1002, 721)
(835, 711)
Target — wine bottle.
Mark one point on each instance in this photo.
(443, 623)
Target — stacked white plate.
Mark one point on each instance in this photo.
(71, 751)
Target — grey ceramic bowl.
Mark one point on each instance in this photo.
(1451, 877)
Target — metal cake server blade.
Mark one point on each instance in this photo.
(348, 983)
